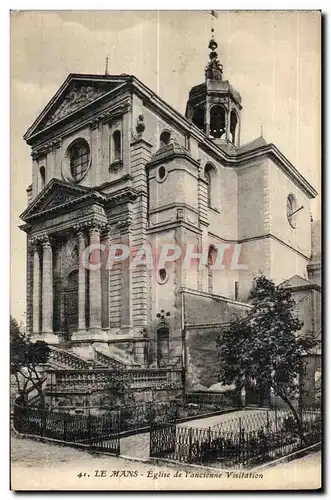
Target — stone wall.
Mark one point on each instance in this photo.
(207, 314)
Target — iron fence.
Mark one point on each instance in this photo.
(240, 442)
(95, 432)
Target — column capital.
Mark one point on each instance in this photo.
(107, 231)
(80, 229)
(45, 241)
(95, 226)
(33, 246)
(124, 225)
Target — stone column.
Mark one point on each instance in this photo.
(81, 281)
(95, 278)
(36, 290)
(47, 287)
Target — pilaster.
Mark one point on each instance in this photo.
(140, 155)
(126, 280)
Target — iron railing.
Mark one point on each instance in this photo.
(238, 442)
(88, 430)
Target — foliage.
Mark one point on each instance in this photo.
(117, 392)
(25, 357)
(261, 348)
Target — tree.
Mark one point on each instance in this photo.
(263, 347)
(25, 356)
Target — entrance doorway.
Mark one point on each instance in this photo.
(70, 303)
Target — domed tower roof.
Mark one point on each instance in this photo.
(214, 106)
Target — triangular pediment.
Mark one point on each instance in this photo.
(55, 195)
(76, 93)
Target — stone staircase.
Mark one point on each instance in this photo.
(114, 358)
(63, 356)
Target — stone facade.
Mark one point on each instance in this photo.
(114, 164)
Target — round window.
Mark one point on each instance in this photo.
(161, 174)
(163, 275)
(79, 156)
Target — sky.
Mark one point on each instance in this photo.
(272, 58)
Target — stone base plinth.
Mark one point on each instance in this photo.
(48, 337)
(90, 335)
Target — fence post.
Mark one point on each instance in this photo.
(64, 427)
(301, 424)
(268, 420)
(43, 417)
(276, 419)
(190, 444)
(89, 427)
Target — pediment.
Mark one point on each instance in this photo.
(76, 93)
(57, 194)
(295, 281)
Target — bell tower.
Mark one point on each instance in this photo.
(215, 106)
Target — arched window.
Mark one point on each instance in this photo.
(211, 177)
(198, 118)
(117, 146)
(233, 126)
(42, 177)
(212, 254)
(164, 138)
(217, 122)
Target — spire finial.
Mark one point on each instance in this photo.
(261, 130)
(214, 69)
(106, 68)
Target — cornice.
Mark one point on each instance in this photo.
(169, 206)
(167, 157)
(151, 100)
(165, 226)
(84, 196)
(155, 102)
(256, 238)
(220, 298)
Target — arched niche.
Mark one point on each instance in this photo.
(165, 137)
(212, 255)
(212, 179)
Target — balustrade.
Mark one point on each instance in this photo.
(98, 378)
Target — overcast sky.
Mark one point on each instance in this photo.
(271, 58)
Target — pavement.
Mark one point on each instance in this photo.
(46, 466)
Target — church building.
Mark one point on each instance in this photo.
(112, 163)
